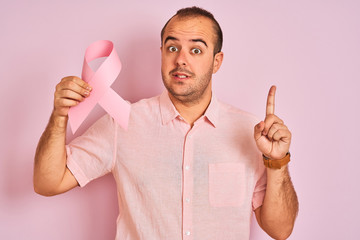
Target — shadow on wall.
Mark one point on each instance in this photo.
(141, 73)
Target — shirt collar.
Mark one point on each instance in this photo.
(169, 112)
(212, 112)
(167, 109)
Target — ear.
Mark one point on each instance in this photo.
(218, 58)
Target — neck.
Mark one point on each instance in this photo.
(192, 111)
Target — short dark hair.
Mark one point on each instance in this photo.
(196, 12)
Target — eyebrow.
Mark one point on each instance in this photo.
(170, 38)
(192, 40)
(199, 40)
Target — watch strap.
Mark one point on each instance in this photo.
(276, 164)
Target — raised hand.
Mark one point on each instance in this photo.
(272, 137)
(69, 92)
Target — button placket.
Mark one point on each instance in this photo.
(187, 186)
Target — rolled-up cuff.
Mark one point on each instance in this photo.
(75, 169)
(258, 199)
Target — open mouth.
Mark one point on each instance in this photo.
(181, 76)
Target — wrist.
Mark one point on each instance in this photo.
(58, 122)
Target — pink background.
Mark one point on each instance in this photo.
(310, 49)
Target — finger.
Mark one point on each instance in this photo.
(258, 130)
(69, 94)
(273, 129)
(283, 135)
(77, 81)
(65, 103)
(269, 121)
(270, 104)
(76, 86)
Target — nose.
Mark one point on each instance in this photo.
(181, 58)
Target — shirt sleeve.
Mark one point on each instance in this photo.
(92, 154)
(260, 187)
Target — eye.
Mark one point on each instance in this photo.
(172, 49)
(196, 51)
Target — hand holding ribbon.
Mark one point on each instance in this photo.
(101, 81)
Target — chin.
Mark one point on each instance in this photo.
(178, 94)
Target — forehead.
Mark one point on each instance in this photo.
(188, 28)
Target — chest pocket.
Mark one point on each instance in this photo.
(227, 186)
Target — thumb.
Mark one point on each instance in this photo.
(258, 130)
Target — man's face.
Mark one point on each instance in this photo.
(188, 60)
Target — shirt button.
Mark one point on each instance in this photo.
(187, 167)
(188, 200)
(187, 233)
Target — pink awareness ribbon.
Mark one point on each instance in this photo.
(100, 81)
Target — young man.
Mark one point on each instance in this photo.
(188, 166)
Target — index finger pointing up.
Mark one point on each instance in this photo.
(270, 104)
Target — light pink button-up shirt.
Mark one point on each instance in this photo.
(176, 182)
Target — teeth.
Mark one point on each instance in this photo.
(181, 76)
